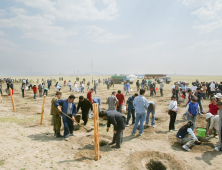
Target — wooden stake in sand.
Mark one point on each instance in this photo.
(96, 130)
(42, 109)
(13, 104)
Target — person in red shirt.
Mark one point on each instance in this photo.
(214, 110)
(121, 98)
(89, 95)
(34, 88)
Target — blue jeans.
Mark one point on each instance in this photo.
(130, 111)
(200, 104)
(35, 95)
(95, 89)
(193, 119)
(68, 125)
(141, 118)
(204, 96)
(148, 116)
(127, 91)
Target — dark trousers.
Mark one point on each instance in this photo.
(176, 92)
(45, 92)
(154, 91)
(85, 116)
(23, 95)
(151, 93)
(184, 93)
(161, 92)
(130, 111)
(120, 108)
(49, 86)
(173, 116)
(68, 125)
(118, 137)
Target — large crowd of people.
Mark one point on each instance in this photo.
(136, 105)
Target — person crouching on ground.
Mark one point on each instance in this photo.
(118, 121)
(213, 121)
(172, 111)
(69, 108)
(182, 136)
(85, 105)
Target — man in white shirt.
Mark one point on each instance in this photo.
(212, 88)
(193, 88)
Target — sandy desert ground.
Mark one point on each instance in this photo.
(25, 144)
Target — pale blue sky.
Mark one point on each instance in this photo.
(121, 36)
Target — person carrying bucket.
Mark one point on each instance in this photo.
(182, 136)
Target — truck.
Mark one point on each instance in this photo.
(166, 80)
(118, 79)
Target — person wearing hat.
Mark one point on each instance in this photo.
(218, 97)
(182, 136)
(85, 106)
(69, 108)
(56, 115)
(112, 101)
(172, 111)
(192, 109)
(213, 123)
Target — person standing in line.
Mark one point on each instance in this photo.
(112, 101)
(121, 98)
(204, 91)
(141, 104)
(161, 88)
(56, 115)
(85, 106)
(172, 110)
(69, 108)
(34, 88)
(118, 121)
(192, 109)
(89, 95)
(23, 90)
(151, 109)
(131, 109)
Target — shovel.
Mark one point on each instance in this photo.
(88, 130)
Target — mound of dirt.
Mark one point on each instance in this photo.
(154, 160)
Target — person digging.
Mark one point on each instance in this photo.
(118, 121)
(182, 136)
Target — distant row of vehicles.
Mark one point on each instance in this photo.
(118, 79)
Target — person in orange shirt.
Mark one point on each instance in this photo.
(34, 88)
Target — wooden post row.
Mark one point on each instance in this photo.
(13, 104)
(96, 130)
(42, 109)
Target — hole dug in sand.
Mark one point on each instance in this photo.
(103, 142)
(155, 164)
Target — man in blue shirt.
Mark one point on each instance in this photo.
(141, 104)
(97, 100)
(192, 108)
(127, 87)
(131, 109)
(69, 108)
